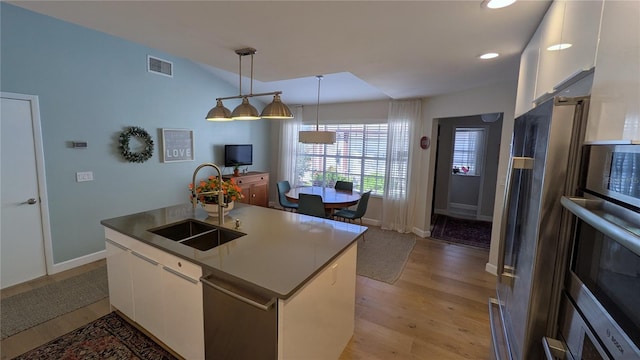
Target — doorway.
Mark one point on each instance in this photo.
(465, 176)
(25, 242)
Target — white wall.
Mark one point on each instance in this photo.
(499, 97)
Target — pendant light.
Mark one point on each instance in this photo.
(245, 111)
(219, 113)
(316, 136)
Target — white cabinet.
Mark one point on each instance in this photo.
(146, 275)
(119, 277)
(318, 321)
(572, 22)
(183, 307)
(550, 34)
(528, 75)
(159, 291)
(615, 98)
(580, 28)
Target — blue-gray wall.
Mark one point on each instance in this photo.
(90, 87)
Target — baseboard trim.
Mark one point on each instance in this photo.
(73, 263)
(423, 234)
(491, 269)
(372, 222)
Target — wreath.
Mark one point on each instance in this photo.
(140, 156)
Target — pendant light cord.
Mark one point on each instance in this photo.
(318, 104)
(240, 55)
(240, 73)
(251, 84)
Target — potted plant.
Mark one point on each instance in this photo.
(209, 202)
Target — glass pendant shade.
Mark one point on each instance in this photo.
(245, 111)
(276, 110)
(219, 113)
(317, 137)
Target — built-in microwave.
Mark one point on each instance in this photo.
(613, 171)
(600, 311)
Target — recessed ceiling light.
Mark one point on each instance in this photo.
(558, 47)
(489, 56)
(496, 4)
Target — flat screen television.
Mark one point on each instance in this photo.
(237, 155)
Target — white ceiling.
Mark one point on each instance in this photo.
(367, 50)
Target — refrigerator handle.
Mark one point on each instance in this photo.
(555, 349)
(516, 163)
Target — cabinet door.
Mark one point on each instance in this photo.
(147, 295)
(580, 28)
(528, 75)
(246, 192)
(318, 321)
(260, 194)
(551, 34)
(615, 97)
(183, 313)
(119, 278)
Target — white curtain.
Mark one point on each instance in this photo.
(398, 201)
(288, 147)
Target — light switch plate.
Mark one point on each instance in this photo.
(84, 176)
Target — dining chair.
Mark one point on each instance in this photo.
(283, 188)
(358, 213)
(344, 185)
(309, 204)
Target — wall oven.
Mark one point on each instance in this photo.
(600, 306)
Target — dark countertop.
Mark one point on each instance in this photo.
(280, 253)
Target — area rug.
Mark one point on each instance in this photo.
(109, 337)
(25, 310)
(462, 231)
(382, 254)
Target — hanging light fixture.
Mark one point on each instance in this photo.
(245, 111)
(316, 136)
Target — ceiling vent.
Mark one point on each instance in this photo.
(158, 66)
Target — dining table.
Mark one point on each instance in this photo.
(331, 198)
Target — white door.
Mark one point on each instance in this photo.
(22, 251)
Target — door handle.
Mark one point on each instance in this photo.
(516, 163)
(31, 201)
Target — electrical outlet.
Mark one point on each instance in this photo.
(84, 176)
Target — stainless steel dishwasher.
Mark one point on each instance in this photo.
(238, 323)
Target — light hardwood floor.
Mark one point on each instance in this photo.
(436, 310)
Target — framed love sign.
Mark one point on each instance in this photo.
(177, 145)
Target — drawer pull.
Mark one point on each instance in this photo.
(180, 275)
(151, 261)
(121, 247)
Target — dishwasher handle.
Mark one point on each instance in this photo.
(258, 303)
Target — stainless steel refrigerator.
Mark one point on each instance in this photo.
(535, 234)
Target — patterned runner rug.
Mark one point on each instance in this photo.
(109, 337)
(462, 231)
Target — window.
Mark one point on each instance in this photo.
(359, 156)
(467, 151)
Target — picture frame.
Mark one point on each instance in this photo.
(177, 145)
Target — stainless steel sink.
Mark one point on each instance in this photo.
(197, 234)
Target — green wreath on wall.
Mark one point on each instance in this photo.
(143, 135)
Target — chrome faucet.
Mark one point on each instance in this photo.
(194, 195)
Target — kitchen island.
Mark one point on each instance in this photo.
(294, 271)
